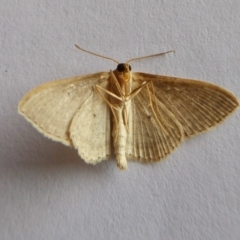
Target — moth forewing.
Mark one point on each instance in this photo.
(197, 105)
(71, 112)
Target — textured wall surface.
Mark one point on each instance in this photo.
(48, 192)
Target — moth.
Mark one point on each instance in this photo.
(142, 116)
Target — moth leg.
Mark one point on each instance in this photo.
(115, 81)
(98, 88)
(108, 92)
(137, 90)
(157, 107)
(127, 98)
(111, 106)
(125, 118)
(154, 112)
(122, 99)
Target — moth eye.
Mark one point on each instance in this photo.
(130, 68)
(120, 67)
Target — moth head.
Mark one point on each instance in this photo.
(122, 72)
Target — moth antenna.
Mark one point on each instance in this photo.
(153, 55)
(95, 54)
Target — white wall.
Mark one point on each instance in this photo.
(48, 192)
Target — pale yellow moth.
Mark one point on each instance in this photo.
(144, 117)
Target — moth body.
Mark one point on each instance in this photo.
(120, 85)
(119, 134)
